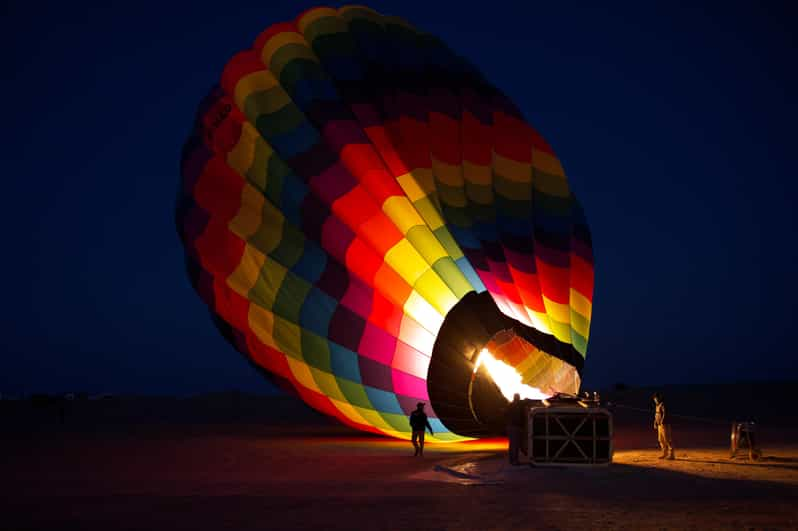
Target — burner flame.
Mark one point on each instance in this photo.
(507, 378)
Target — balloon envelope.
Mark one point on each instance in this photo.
(363, 213)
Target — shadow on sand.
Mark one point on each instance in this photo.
(763, 462)
(629, 481)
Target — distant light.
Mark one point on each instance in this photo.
(507, 378)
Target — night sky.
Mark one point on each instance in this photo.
(675, 125)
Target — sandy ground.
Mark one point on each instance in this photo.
(320, 476)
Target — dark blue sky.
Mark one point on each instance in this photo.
(676, 126)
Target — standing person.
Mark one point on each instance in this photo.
(663, 427)
(514, 418)
(418, 422)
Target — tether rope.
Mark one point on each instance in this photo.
(688, 417)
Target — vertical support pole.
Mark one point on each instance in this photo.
(546, 416)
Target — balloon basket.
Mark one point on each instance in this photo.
(567, 435)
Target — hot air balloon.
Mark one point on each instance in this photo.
(374, 224)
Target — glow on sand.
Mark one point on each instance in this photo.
(507, 378)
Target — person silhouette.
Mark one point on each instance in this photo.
(418, 422)
(663, 426)
(514, 418)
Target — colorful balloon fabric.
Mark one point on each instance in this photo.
(346, 185)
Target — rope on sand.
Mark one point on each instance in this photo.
(687, 417)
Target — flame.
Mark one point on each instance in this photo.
(507, 378)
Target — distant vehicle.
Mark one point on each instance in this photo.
(102, 396)
(75, 395)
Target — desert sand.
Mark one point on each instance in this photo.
(140, 465)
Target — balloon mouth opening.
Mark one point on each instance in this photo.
(507, 378)
(517, 366)
(482, 357)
